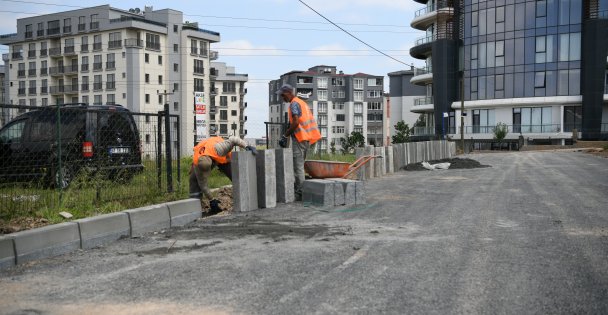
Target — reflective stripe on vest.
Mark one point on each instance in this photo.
(207, 148)
(307, 126)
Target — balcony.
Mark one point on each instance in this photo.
(213, 91)
(84, 47)
(67, 29)
(134, 43)
(97, 86)
(81, 27)
(57, 89)
(55, 52)
(423, 131)
(199, 70)
(242, 91)
(44, 71)
(57, 71)
(96, 46)
(31, 72)
(21, 73)
(423, 104)
(422, 47)
(40, 33)
(21, 91)
(53, 31)
(422, 76)
(213, 73)
(243, 104)
(110, 65)
(213, 55)
(31, 91)
(69, 50)
(110, 85)
(516, 129)
(428, 15)
(71, 69)
(44, 52)
(97, 66)
(29, 34)
(71, 89)
(114, 44)
(17, 55)
(153, 45)
(31, 54)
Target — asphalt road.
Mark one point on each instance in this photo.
(528, 235)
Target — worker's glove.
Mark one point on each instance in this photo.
(214, 206)
(283, 142)
(253, 150)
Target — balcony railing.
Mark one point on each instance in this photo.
(134, 42)
(44, 71)
(44, 90)
(21, 73)
(423, 70)
(31, 72)
(58, 89)
(84, 67)
(44, 52)
(17, 55)
(114, 44)
(31, 53)
(81, 27)
(213, 91)
(96, 46)
(424, 40)
(243, 91)
(60, 70)
(213, 55)
(40, 33)
(199, 70)
(546, 128)
(194, 50)
(110, 85)
(29, 34)
(84, 47)
(110, 65)
(94, 25)
(423, 101)
(53, 31)
(85, 86)
(67, 29)
(73, 68)
(56, 51)
(153, 45)
(21, 91)
(423, 131)
(71, 89)
(69, 50)
(425, 10)
(97, 86)
(97, 66)
(31, 91)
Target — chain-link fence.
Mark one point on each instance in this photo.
(81, 157)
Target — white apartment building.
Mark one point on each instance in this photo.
(104, 55)
(227, 103)
(341, 104)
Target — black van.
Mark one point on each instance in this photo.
(93, 138)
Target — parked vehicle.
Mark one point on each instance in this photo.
(100, 139)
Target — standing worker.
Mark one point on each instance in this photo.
(208, 153)
(303, 131)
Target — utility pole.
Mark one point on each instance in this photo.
(462, 114)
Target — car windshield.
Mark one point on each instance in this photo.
(13, 132)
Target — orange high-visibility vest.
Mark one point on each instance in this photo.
(307, 126)
(207, 148)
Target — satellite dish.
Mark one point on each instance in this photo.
(137, 10)
(131, 10)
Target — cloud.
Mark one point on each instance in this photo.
(242, 47)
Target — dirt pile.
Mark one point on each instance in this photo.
(20, 224)
(455, 163)
(224, 195)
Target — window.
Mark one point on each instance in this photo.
(14, 131)
(338, 94)
(97, 100)
(111, 99)
(374, 82)
(374, 106)
(147, 99)
(97, 42)
(229, 87)
(337, 81)
(233, 113)
(85, 83)
(152, 41)
(147, 58)
(233, 99)
(223, 115)
(199, 85)
(374, 94)
(358, 84)
(111, 61)
(474, 54)
(40, 29)
(483, 120)
(175, 86)
(223, 129)
(539, 79)
(340, 117)
(67, 25)
(160, 60)
(81, 23)
(573, 116)
(570, 47)
(358, 108)
(175, 106)
(111, 82)
(337, 129)
(199, 66)
(175, 28)
(500, 53)
(338, 105)
(97, 83)
(322, 107)
(84, 44)
(358, 96)
(223, 100)
(194, 46)
(45, 102)
(160, 79)
(94, 21)
(500, 82)
(204, 48)
(160, 99)
(97, 64)
(322, 83)
(147, 78)
(53, 27)
(358, 119)
(322, 95)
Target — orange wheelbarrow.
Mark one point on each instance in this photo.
(332, 169)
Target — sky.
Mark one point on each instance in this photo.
(266, 38)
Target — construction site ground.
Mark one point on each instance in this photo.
(529, 234)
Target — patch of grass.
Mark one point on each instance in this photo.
(605, 147)
(348, 158)
(89, 195)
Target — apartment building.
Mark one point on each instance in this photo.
(105, 55)
(341, 103)
(538, 66)
(227, 101)
(403, 94)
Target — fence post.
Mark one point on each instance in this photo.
(59, 174)
(168, 149)
(159, 147)
(179, 154)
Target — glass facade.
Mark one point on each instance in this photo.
(529, 48)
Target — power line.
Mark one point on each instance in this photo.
(353, 36)
(223, 17)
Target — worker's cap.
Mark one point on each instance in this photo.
(285, 88)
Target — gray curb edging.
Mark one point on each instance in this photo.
(62, 238)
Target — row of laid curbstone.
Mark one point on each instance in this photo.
(395, 157)
(91, 232)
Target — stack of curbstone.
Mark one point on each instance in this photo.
(285, 178)
(267, 180)
(362, 173)
(333, 192)
(244, 181)
(370, 169)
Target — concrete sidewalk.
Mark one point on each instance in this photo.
(528, 235)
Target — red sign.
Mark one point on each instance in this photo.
(200, 109)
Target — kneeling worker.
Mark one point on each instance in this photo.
(208, 153)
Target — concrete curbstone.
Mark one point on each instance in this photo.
(362, 172)
(149, 219)
(7, 252)
(370, 169)
(349, 188)
(244, 181)
(379, 165)
(389, 156)
(396, 156)
(285, 178)
(360, 194)
(266, 178)
(318, 192)
(185, 211)
(103, 229)
(46, 241)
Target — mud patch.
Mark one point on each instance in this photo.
(162, 251)
(456, 163)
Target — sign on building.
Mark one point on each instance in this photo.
(200, 109)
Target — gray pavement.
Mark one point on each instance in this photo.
(528, 235)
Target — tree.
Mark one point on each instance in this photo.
(500, 131)
(332, 147)
(352, 141)
(421, 122)
(403, 132)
